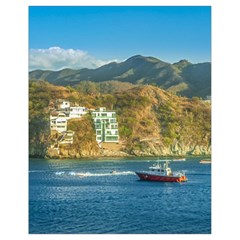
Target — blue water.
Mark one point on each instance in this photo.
(72, 196)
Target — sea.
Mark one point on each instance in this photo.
(105, 196)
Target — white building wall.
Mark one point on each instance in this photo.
(77, 112)
(58, 124)
(65, 104)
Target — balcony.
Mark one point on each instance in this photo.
(111, 139)
(102, 117)
(111, 134)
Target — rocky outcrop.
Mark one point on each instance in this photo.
(148, 149)
(157, 148)
(68, 151)
(170, 151)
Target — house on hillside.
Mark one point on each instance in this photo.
(62, 104)
(58, 122)
(60, 112)
(72, 110)
(106, 126)
(77, 112)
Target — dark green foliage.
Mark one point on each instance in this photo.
(38, 118)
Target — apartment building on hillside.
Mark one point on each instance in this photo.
(106, 126)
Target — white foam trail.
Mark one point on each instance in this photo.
(59, 173)
(88, 174)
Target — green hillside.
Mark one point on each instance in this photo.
(152, 122)
(182, 78)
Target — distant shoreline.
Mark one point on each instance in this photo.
(124, 158)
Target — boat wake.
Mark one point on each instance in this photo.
(88, 174)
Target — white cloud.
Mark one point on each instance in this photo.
(56, 58)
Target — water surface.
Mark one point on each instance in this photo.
(73, 196)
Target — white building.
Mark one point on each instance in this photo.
(67, 137)
(106, 125)
(62, 104)
(58, 122)
(77, 112)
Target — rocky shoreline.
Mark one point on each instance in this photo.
(153, 151)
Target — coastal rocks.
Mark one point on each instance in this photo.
(68, 152)
(111, 153)
(71, 152)
(176, 149)
(144, 149)
(199, 150)
(52, 153)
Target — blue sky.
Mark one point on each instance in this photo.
(91, 36)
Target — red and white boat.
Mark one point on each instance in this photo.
(161, 173)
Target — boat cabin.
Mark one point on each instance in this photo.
(161, 169)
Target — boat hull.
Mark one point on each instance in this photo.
(159, 178)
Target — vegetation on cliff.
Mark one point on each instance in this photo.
(84, 137)
(151, 120)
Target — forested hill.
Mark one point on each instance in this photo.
(182, 78)
(152, 122)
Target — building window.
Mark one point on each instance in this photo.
(99, 132)
(111, 138)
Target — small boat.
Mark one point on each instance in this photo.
(179, 159)
(161, 173)
(205, 161)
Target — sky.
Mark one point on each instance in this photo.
(80, 36)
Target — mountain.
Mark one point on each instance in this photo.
(182, 78)
(152, 122)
